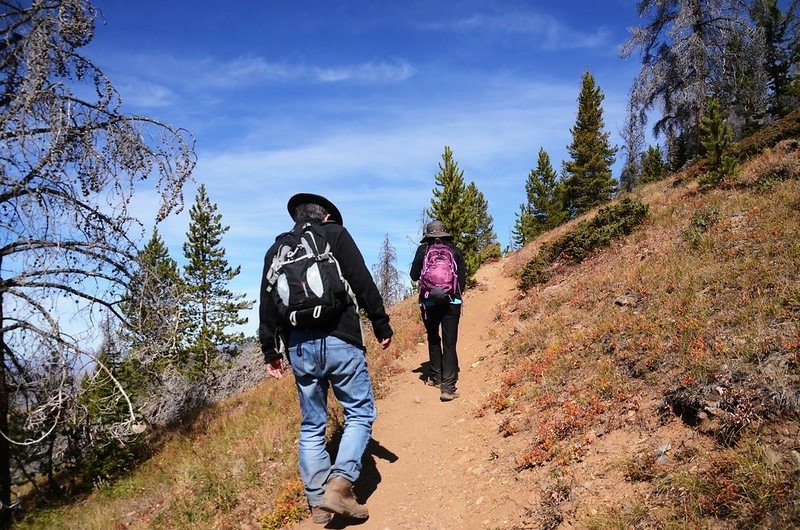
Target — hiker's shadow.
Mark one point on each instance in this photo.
(424, 371)
(367, 481)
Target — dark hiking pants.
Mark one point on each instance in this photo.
(442, 349)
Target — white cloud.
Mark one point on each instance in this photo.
(208, 72)
(551, 33)
(252, 70)
(146, 95)
(366, 73)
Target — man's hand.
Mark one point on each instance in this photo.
(275, 368)
(385, 343)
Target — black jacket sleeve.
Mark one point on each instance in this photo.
(355, 271)
(462, 269)
(267, 315)
(416, 265)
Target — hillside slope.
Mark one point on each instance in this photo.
(655, 384)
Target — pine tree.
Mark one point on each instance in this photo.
(447, 202)
(653, 166)
(781, 54)
(588, 174)
(484, 232)
(525, 227)
(105, 408)
(678, 152)
(454, 204)
(717, 142)
(212, 307)
(544, 192)
(154, 307)
(544, 206)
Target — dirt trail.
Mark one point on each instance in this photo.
(431, 463)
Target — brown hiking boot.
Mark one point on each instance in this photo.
(320, 516)
(339, 498)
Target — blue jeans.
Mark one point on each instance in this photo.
(320, 361)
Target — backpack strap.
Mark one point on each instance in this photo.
(315, 229)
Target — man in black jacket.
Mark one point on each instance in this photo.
(437, 315)
(330, 354)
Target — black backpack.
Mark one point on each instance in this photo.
(305, 279)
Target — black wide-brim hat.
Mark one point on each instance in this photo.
(433, 230)
(305, 198)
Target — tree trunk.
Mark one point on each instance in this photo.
(5, 452)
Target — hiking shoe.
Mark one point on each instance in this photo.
(448, 396)
(320, 516)
(432, 382)
(339, 498)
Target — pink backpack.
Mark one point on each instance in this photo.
(438, 281)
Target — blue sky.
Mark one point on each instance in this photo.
(356, 100)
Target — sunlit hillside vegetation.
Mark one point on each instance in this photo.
(684, 328)
(687, 330)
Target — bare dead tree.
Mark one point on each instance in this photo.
(685, 47)
(69, 163)
(632, 135)
(386, 275)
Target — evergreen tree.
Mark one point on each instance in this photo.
(154, 308)
(717, 142)
(212, 307)
(465, 235)
(484, 231)
(588, 174)
(454, 204)
(386, 275)
(781, 37)
(678, 152)
(525, 227)
(448, 197)
(653, 166)
(544, 206)
(544, 192)
(106, 407)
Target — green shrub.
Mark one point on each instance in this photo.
(107, 463)
(782, 129)
(534, 272)
(610, 223)
(701, 222)
(491, 253)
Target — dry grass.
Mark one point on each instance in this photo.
(224, 470)
(690, 322)
(235, 466)
(697, 310)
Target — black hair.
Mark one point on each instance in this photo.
(311, 211)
